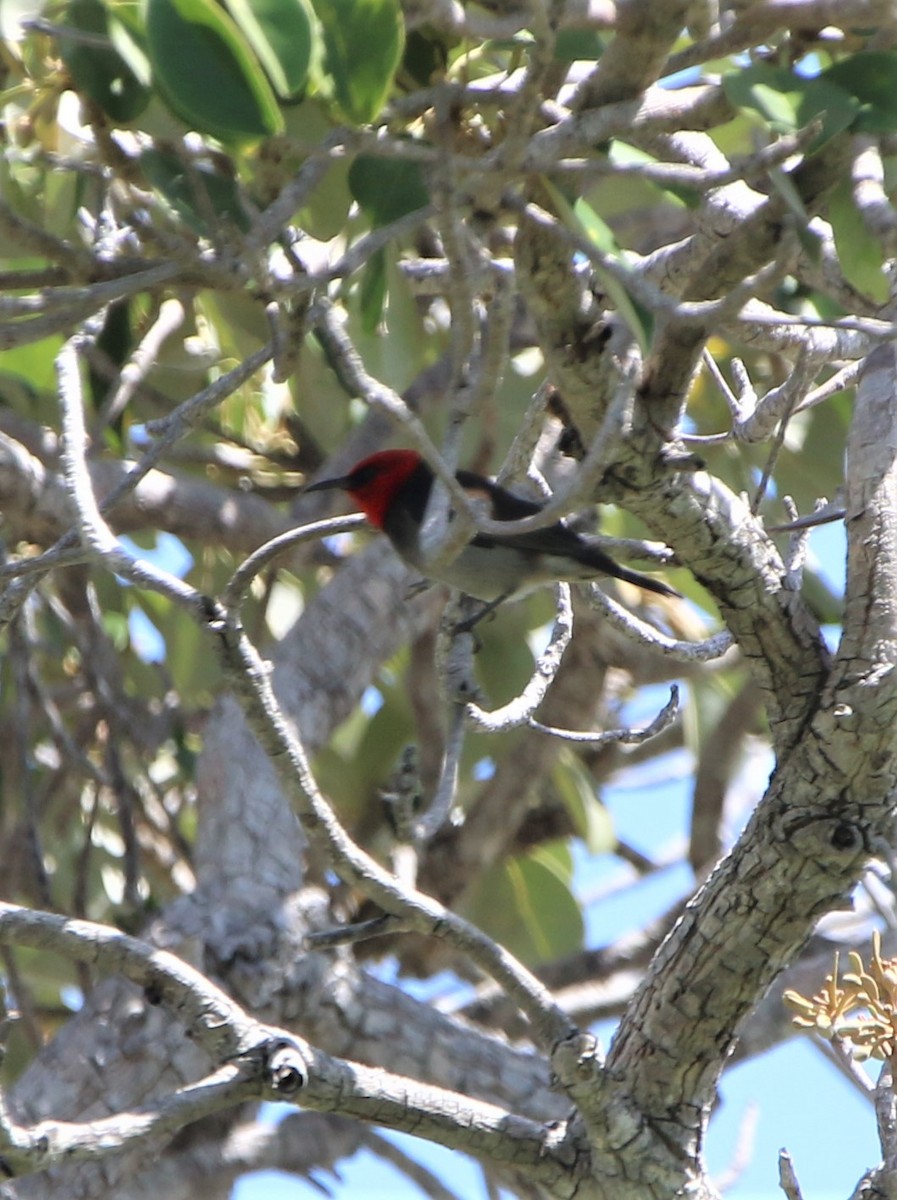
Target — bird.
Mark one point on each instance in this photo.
(392, 489)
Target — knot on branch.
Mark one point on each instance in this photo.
(577, 1059)
(286, 1068)
(833, 838)
(154, 993)
(846, 836)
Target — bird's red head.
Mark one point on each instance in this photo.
(374, 482)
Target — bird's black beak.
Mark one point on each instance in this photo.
(325, 485)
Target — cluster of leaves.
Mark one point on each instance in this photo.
(854, 93)
(227, 70)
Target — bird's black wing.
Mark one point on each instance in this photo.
(555, 541)
(505, 506)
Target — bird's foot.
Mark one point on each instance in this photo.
(468, 624)
(417, 588)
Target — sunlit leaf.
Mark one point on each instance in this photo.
(363, 42)
(281, 34)
(871, 78)
(528, 906)
(206, 71)
(789, 102)
(590, 818)
(859, 251)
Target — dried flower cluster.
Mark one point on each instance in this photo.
(859, 1010)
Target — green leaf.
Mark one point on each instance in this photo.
(424, 60)
(526, 904)
(385, 188)
(206, 72)
(28, 370)
(590, 818)
(281, 34)
(583, 218)
(384, 734)
(871, 78)
(505, 661)
(363, 42)
(783, 183)
(789, 102)
(194, 673)
(168, 175)
(626, 155)
(325, 211)
(98, 71)
(859, 252)
(836, 108)
(766, 90)
(128, 36)
(115, 625)
(327, 208)
(372, 293)
(578, 45)
(115, 341)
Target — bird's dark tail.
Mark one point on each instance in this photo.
(644, 581)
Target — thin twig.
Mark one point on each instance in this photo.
(96, 535)
(787, 1177)
(443, 801)
(382, 926)
(77, 304)
(143, 358)
(240, 582)
(25, 573)
(519, 711)
(644, 634)
(626, 737)
(839, 382)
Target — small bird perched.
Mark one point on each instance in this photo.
(392, 489)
